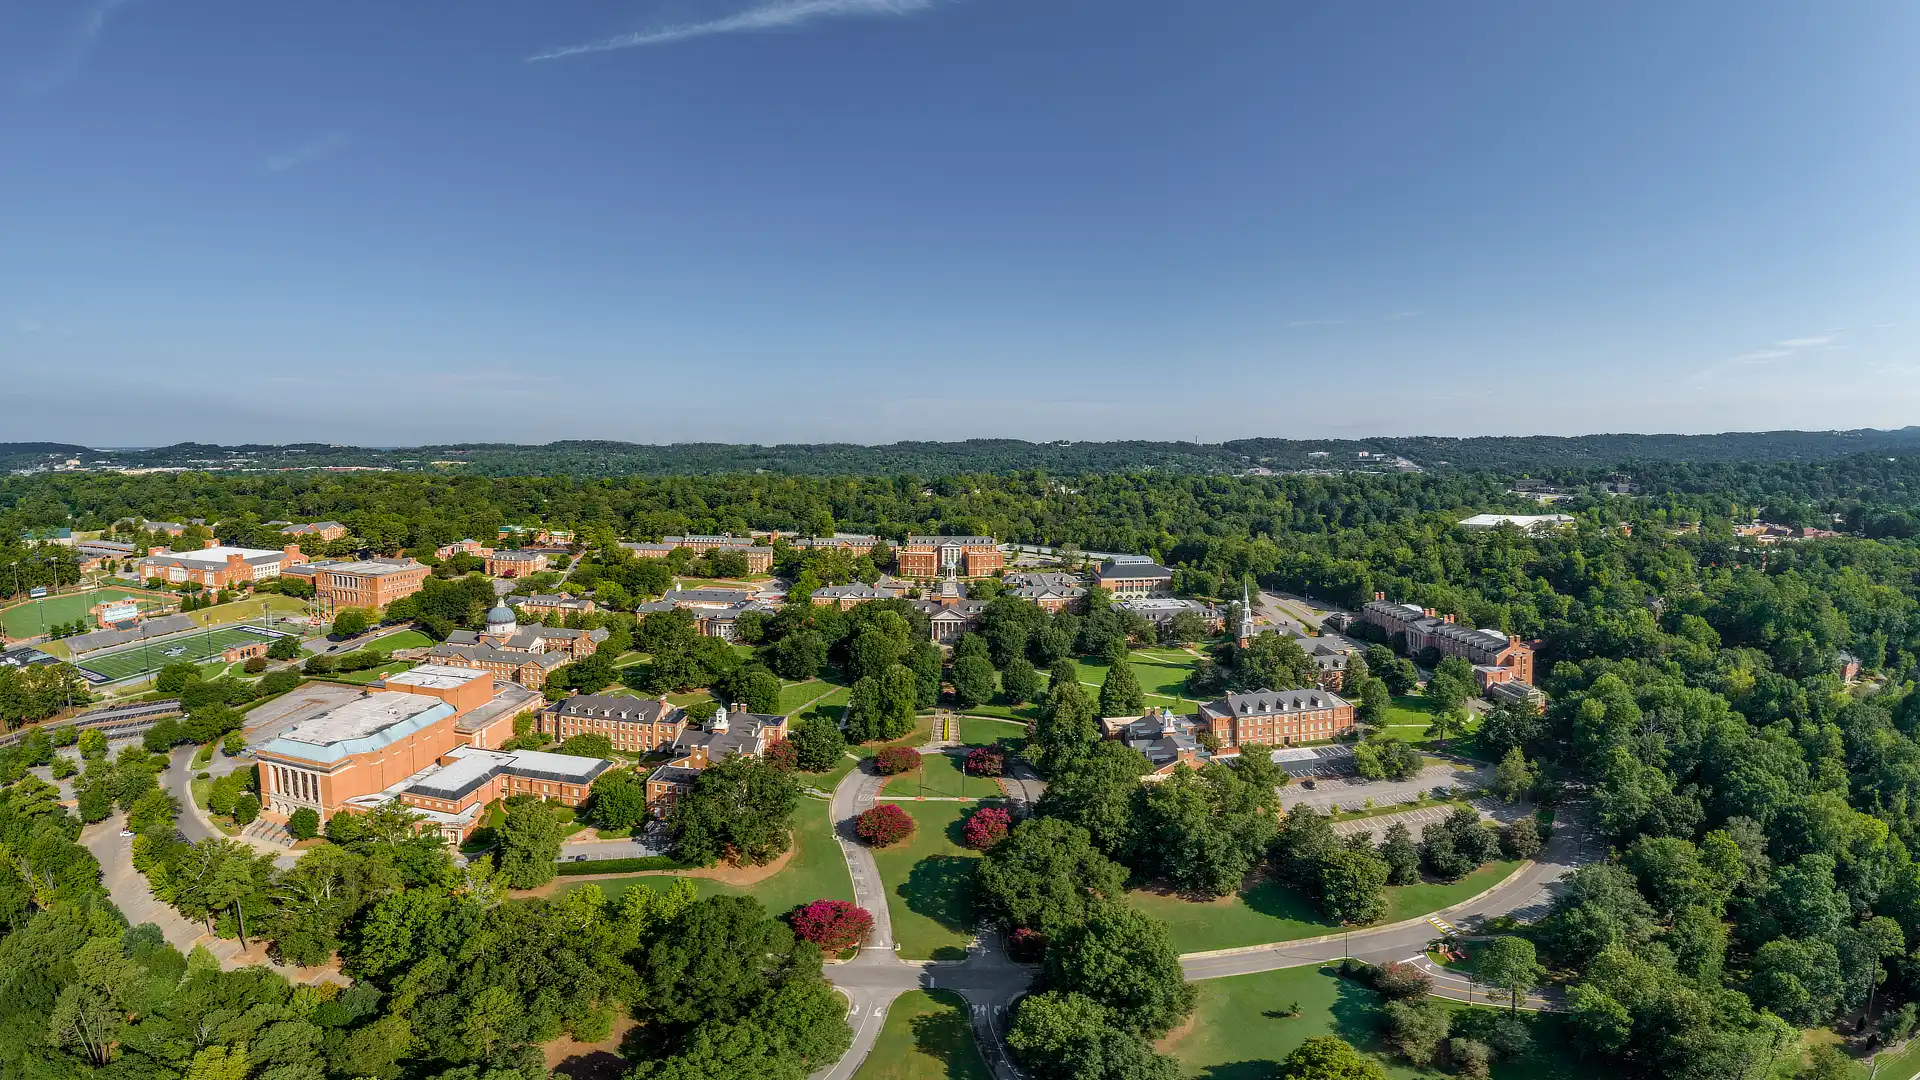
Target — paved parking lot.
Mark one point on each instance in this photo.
(1349, 792)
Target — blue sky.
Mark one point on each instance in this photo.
(866, 220)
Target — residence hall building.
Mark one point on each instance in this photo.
(1134, 579)
(525, 656)
(219, 567)
(462, 547)
(928, 558)
(1276, 717)
(1051, 591)
(364, 583)
(728, 733)
(319, 530)
(371, 749)
(1496, 658)
(846, 596)
(506, 563)
(544, 604)
(634, 725)
(1164, 736)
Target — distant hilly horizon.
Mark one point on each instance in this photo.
(1384, 453)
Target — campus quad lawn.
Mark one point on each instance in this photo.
(929, 882)
(32, 617)
(927, 1036)
(1163, 681)
(943, 777)
(980, 731)
(1268, 911)
(817, 870)
(1238, 1033)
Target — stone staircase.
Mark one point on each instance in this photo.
(270, 831)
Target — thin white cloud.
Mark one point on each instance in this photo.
(312, 150)
(71, 57)
(1399, 316)
(776, 15)
(1781, 352)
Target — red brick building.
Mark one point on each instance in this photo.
(219, 567)
(633, 724)
(1276, 717)
(927, 558)
(507, 563)
(1496, 658)
(365, 583)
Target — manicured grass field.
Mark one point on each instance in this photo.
(929, 883)
(362, 678)
(32, 617)
(927, 1036)
(194, 648)
(403, 639)
(1268, 911)
(1019, 714)
(979, 731)
(817, 870)
(942, 775)
(1162, 676)
(1239, 1033)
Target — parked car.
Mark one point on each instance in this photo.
(126, 832)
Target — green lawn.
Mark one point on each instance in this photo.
(403, 639)
(921, 733)
(927, 1036)
(1019, 714)
(35, 616)
(1240, 1034)
(1270, 912)
(362, 678)
(929, 883)
(192, 648)
(941, 774)
(817, 870)
(252, 609)
(1162, 677)
(979, 731)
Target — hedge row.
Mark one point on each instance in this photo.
(623, 866)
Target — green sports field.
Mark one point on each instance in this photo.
(141, 659)
(34, 616)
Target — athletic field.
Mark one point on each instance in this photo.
(196, 647)
(34, 616)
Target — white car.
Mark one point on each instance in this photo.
(126, 832)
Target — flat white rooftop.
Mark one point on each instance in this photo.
(436, 676)
(1524, 521)
(361, 717)
(217, 556)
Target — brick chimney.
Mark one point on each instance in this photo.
(155, 551)
(1379, 596)
(1449, 619)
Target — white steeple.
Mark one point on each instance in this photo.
(1246, 613)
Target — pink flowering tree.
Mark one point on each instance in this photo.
(987, 827)
(834, 925)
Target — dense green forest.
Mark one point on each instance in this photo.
(1534, 453)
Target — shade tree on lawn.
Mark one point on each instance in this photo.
(739, 809)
